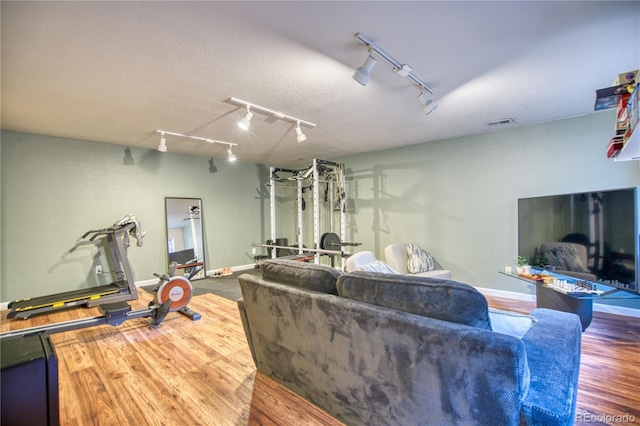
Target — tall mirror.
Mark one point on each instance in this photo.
(185, 244)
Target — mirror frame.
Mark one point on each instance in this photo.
(181, 210)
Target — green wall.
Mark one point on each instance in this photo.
(55, 189)
(457, 198)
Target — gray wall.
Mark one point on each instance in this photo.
(55, 189)
(458, 198)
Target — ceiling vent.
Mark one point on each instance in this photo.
(501, 122)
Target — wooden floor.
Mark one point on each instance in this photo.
(201, 373)
(183, 373)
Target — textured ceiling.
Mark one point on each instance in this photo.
(116, 71)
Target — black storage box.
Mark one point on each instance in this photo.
(29, 377)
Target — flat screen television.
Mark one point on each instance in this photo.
(592, 236)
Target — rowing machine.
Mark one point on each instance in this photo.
(178, 290)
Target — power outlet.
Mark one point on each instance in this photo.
(98, 269)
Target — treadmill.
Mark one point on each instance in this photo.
(122, 290)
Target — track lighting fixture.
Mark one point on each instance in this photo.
(277, 114)
(246, 121)
(361, 75)
(301, 137)
(429, 104)
(163, 142)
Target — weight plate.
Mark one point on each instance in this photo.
(330, 241)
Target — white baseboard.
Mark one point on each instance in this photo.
(597, 307)
(233, 269)
(507, 294)
(617, 310)
(243, 267)
(238, 268)
(152, 281)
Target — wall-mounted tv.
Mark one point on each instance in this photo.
(588, 235)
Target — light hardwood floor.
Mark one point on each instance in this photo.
(201, 373)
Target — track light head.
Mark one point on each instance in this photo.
(301, 137)
(429, 104)
(163, 144)
(230, 156)
(246, 121)
(362, 74)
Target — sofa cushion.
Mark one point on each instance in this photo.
(441, 299)
(378, 266)
(419, 260)
(309, 276)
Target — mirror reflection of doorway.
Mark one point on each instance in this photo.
(185, 241)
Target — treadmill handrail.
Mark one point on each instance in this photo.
(111, 230)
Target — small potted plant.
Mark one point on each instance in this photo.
(523, 265)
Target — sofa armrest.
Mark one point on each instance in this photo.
(396, 257)
(357, 260)
(247, 330)
(553, 354)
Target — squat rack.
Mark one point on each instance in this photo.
(321, 171)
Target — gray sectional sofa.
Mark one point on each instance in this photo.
(378, 349)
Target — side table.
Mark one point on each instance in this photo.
(549, 298)
(577, 302)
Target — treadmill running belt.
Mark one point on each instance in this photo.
(69, 296)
